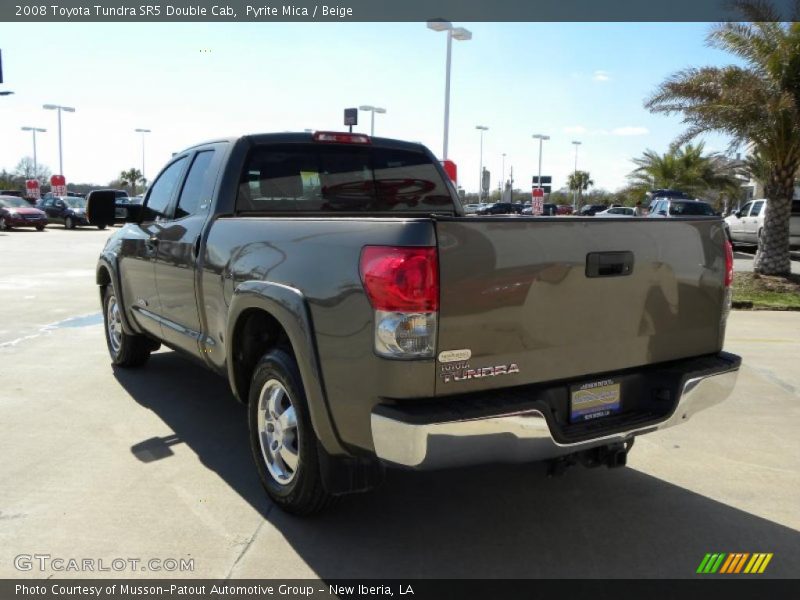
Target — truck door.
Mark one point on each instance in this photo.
(751, 221)
(178, 246)
(737, 224)
(138, 252)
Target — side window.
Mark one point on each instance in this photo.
(163, 190)
(745, 210)
(196, 193)
(754, 212)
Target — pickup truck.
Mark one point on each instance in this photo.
(334, 280)
(745, 224)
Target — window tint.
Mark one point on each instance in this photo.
(756, 208)
(320, 177)
(691, 208)
(196, 192)
(796, 207)
(163, 189)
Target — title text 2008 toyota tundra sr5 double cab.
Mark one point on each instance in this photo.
(335, 281)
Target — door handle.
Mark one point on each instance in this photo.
(151, 245)
(609, 264)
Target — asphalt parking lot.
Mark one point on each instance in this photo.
(101, 463)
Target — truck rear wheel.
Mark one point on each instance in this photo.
(282, 438)
(126, 350)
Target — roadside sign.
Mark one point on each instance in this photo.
(537, 201)
(58, 185)
(451, 170)
(32, 188)
(546, 179)
(351, 116)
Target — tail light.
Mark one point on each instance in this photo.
(402, 284)
(728, 263)
(341, 138)
(727, 297)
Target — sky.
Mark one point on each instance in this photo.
(188, 83)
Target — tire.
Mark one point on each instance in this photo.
(69, 223)
(295, 485)
(126, 350)
(4, 226)
(40, 228)
(101, 227)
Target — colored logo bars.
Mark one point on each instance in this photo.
(740, 562)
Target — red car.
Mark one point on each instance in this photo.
(16, 212)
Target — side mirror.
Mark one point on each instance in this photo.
(663, 213)
(60, 204)
(738, 214)
(101, 209)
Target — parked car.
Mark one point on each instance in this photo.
(500, 208)
(617, 211)
(564, 209)
(745, 225)
(67, 210)
(590, 210)
(674, 207)
(362, 339)
(16, 212)
(548, 210)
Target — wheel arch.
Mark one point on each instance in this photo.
(265, 315)
(107, 274)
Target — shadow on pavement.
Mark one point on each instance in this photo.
(499, 521)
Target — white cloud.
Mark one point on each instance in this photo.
(601, 76)
(576, 129)
(626, 131)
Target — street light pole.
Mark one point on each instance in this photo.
(541, 138)
(482, 129)
(33, 130)
(60, 153)
(142, 131)
(503, 177)
(575, 177)
(457, 33)
(373, 110)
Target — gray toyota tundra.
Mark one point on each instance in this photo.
(335, 281)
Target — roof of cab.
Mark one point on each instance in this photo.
(303, 138)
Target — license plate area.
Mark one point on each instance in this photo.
(594, 400)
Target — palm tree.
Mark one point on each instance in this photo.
(131, 177)
(687, 169)
(758, 104)
(579, 181)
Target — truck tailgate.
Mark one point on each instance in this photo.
(558, 298)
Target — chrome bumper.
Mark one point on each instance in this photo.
(520, 436)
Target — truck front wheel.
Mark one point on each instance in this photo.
(282, 438)
(126, 350)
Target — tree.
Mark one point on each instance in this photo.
(687, 169)
(579, 181)
(130, 178)
(24, 170)
(757, 104)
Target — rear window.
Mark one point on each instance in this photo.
(682, 209)
(340, 178)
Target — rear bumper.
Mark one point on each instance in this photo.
(528, 435)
